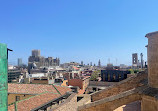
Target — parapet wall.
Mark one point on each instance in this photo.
(100, 83)
(113, 102)
(125, 85)
(149, 103)
(69, 105)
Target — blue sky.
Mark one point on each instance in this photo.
(76, 30)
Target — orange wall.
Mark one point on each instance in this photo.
(64, 83)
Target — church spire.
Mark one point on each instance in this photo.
(99, 63)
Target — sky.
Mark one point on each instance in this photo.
(78, 30)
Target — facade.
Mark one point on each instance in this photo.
(41, 80)
(135, 60)
(19, 61)
(37, 61)
(36, 53)
(81, 83)
(13, 74)
(113, 75)
(109, 66)
(82, 63)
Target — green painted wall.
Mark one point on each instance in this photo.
(3, 78)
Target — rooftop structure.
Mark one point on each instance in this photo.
(34, 96)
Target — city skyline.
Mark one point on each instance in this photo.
(89, 63)
(78, 31)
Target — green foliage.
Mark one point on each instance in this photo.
(131, 71)
(95, 75)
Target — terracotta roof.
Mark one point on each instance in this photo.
(35, 88)
(33, 102)
(43, 94)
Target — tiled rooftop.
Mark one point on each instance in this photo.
(43, 94)
(33, 102)
(35, 88)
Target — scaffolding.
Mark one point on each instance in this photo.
(3, 78)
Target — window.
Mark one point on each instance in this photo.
(17, 98)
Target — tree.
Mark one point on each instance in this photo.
(95, 75)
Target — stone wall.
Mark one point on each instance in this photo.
(113, 102)
(100, 83)
(69, 105)
(85, 100)
(149, 103)
(125, 85)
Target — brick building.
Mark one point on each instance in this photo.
(81, 83)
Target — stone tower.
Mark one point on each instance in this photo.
(152, 51)
(135, 60)
(142, 64)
